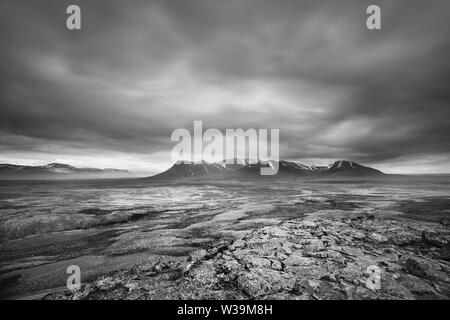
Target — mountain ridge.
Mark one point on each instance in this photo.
(251, 169)
(182, 170)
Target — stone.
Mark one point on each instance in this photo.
(237, 244)
(257, 262)
(400, 238)
(415, 267)
(445, 252)
(297, 259)
(106, 283)
(433, 239)
(313, 283)
(444, 221)
(257, 282)
(329, 278)
(351, 273)
(131, 286)
(416, 286)
(276, 265)
(309, 224)
(286, 249)
(314, 246)
(197, 255)
(378, 238)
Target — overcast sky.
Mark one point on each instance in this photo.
(111, 94)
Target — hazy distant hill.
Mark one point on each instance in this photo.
(247, 169)
(57, 171)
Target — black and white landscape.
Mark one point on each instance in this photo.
(359, 207)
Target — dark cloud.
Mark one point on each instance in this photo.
(139, 69)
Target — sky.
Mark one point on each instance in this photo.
(111, 94)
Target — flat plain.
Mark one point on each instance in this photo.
(106, 226)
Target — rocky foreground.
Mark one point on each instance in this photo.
(350, 258)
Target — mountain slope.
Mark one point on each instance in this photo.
(349, 168)
(186, 169)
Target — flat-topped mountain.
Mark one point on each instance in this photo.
(245, 169)
(56, 171)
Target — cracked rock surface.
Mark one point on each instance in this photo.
(313, 258)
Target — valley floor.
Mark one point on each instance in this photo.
(293, 239)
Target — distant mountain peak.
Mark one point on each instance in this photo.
(350, 167)
(342, 164)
